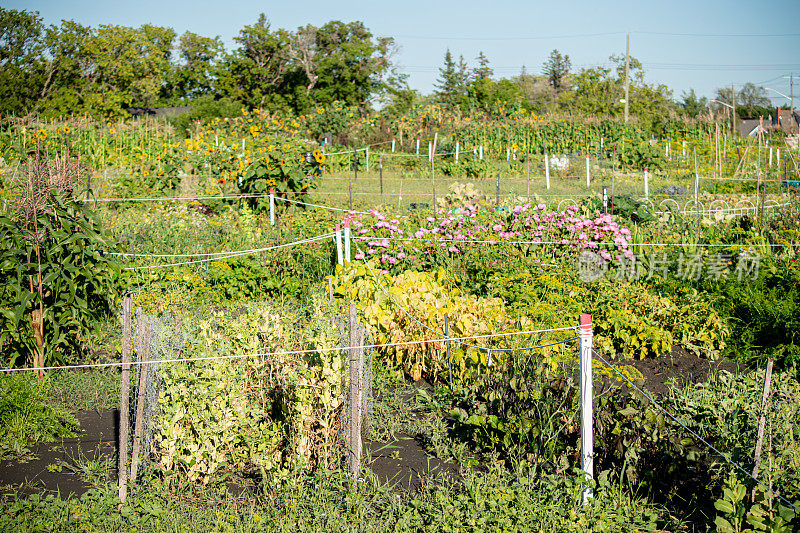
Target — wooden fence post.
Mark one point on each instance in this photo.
(761, 422)
(355, 368)
(124, 402)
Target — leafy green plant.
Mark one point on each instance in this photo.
(53, 263)
(25, 416)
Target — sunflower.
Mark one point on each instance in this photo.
(319, 157)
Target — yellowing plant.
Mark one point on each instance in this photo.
(418, 301)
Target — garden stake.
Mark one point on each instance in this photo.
(380, 169)
(761, 421)
(272, 207)
(587, 444)
(347, 241)
(433, 170)
(354, 430)
(330, 290)
(456, 151)
(588, 173)
(497, 190)
(447, 343)
(339, 254)
(143, 368)
(124, 401)
(367, 152)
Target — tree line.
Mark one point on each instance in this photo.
(102, 71)
(593, 91)
(70, 68)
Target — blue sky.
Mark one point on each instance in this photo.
(683, 44)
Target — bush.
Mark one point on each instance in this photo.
(252, 416)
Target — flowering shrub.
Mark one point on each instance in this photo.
(452, 231)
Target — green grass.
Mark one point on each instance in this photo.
(90, 389)
(496, 500)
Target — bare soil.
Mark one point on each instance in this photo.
(28, 475)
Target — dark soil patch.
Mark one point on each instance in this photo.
(679, 369)
(406, 464)
(96, 442)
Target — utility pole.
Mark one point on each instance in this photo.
(791, 78)
(627, 66)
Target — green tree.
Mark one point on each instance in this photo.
(22, 45)
(195, 72)
(253, 72)
(691, 105)
(752, 101)
(556, 68)
(128, 67)
(353, 63)
(484, 71)
(451, 84)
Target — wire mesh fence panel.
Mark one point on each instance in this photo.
(166, 340)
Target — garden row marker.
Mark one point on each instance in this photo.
(547, 170)
(433, 170)
(380, 169)
(272, 207)
(339, 255)
(392, 145)
(646, 184)
(330, 289)
(480, 152)
(137, 436)
(417, 147)
(356, 357)
(497, 190)
(124, 400)
(508, 157)
(683, 151)
(347, 241)
(367, 152)
(456, 151)
(587, 443)
(430, 152)
(605, 200)
(761, 421)
(447, 344)
(588, 173)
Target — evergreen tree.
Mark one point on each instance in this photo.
(556, 68)
(484, 71)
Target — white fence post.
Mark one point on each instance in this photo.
(480, 152)
(272, 207)
(417, 147)
(347, 241)
(588, 173)
(392, 145)
(339, 255)
(646, 184)
(587, 437)
(456, 151)
(547, 170)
